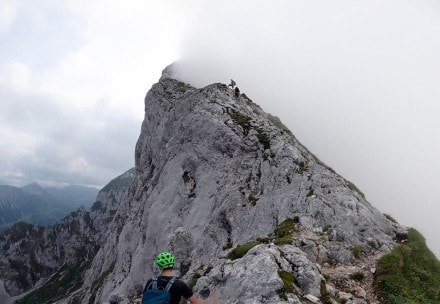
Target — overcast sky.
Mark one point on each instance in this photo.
(357, 82)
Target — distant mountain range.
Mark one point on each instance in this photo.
(43, 206)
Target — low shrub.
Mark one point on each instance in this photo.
(182, 87)
(196, 276)
(264, 139)
(284, 232)
(282, 235)
(390, 218)
(241, 250)
(357, 251)
(227, 246)
(288, 281)
(358, 276)
(240, 119)
(325, 296)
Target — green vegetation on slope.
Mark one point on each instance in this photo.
(288, 282)
(240, 119)
(100, 281)
(241, 250)
(284, 232)
(282, 235)
(409, 274)
(64, 282)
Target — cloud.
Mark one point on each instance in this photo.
(74, 76)
(8, 12)
(356, 82)
(44, 141)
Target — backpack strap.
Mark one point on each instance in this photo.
(170, 283)
(153, 284)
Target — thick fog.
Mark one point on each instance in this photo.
(356, 82)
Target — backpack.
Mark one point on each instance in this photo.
(153, 295)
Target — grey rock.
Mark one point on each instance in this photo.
(344, 296)
(330, 289)
(357, 301)
(305, 271)
(312, 299)
(4, 296)
(211, 172)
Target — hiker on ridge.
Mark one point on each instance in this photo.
(237, 92)
(167, 288)
(232, 84)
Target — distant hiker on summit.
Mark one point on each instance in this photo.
(237, 92)
(167, 288)
(232, 84)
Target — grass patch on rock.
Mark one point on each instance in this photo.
(354, 188)
(195, 277)
(390, 218)
(241, 250)
(182, 87)
(264, 139)
(410, 273)
(288, 282)
(284, 232)
(325, 296)
(358, 276)
(277, 123)
(282, 235)
(240, 119)
(357, 251)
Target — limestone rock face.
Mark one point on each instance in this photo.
(244, 206)
(214, 172)
(255, 277)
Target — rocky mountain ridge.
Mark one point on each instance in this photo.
(242, 204)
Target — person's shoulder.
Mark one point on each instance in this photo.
(148, 283)
(177, 280)
(167, 278)
(154, 278)
(181, 288)
(151, 279)
(179, 283)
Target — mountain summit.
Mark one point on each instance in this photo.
(234, 195)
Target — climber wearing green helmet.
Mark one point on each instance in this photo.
(165, 260)
(167, 286)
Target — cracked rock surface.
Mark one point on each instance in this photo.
(214, 173)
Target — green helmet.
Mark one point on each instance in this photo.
(165, 260)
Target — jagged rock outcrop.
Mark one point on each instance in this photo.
(243, 205)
